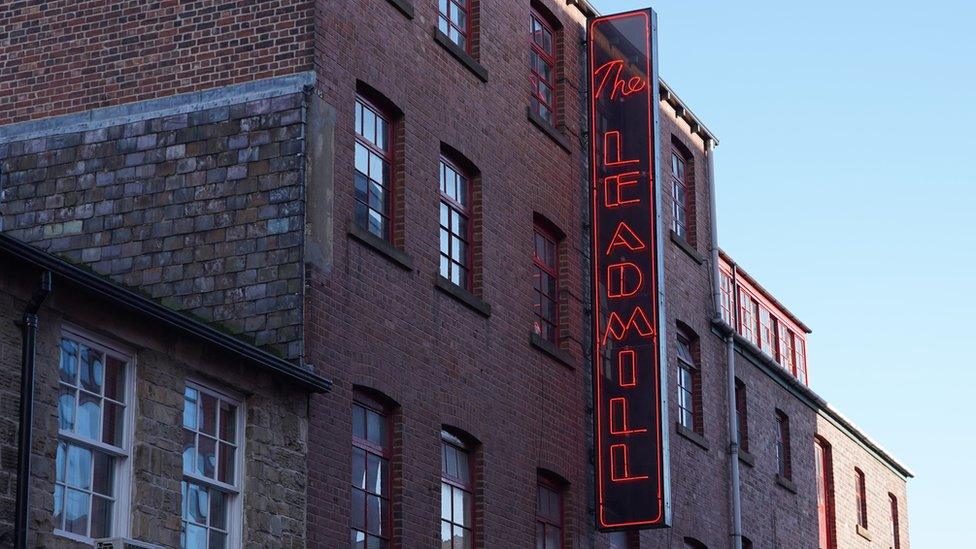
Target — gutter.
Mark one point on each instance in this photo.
(128, 299)
(26, 430)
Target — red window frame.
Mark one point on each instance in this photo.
(464, 212)
(679, 182)
(546, 328)
(800, 358)
(382, 452)
(784, 353)
(747, 316)
(825, 493)
(547, 58)
(767, 331)
(726, 286)
(445, 23)
(860, 485)
(784, 456)
(895, 528)
(693, 391)
(449, 439)
(386, 156)
(543, 522)
(741, 414)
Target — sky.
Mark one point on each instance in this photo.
(845, 185)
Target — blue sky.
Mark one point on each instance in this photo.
(845, 185)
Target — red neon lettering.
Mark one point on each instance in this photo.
(625, 236)
(638, 321)
(617, 280)
(623, 452)
(627, 368)
(614, 184)
(622, 426)
(620, 86)
(617, 140)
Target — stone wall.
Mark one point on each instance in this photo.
(202, 210)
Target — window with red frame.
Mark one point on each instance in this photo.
(800, 358)
(455, 225)
(862, 498)
(546, 281)
(454, 20)
(689, 394)
(825, 494)
(457, 493)
(548, 515)
(767, 331)
(785, 354)
(726, 282)
(895, 530)
(371, 522)
(747, 316)
(679, 196)
(741, 415)
(784, 457)
(374, 169)
(543, 68)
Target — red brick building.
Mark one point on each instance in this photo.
(393, 194)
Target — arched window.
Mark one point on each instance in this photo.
(784, 454)
(860, 485)
(378, 125)
(825, 493)
(550, 502)
(457, 177)
(895, 530)
(692, 543)
(372, 451)
(682, 192)
(545, 278)
(741, 414)
(544, 60)
(689, 381)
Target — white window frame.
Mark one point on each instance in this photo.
(235, 507)
(122, 471)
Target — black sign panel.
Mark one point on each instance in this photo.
(631, 435)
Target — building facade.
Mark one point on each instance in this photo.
(393, 195)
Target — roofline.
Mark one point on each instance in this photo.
(739, 271)
(811, 398)
(144, 306)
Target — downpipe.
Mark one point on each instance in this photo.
(25, 433)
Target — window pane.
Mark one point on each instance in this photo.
(359, 468)
(217, 540)
(375, 474)
(362, 158)
(92, 370)
(208, 414)
(197, 503)
(446, 501)
(89, 412)
(218, 510)
(190, 396)
(552, 538)
(359, 422)
(79, 467)
(446, 535)
(58, 506)
(196, 537)
(206, 456)
(225, 472)
(103, 474)
(374, 515)
(358, 509)
(114, 379)
(375, 167)
(76, 512)
(68, 368)
(228, 422)
(66, 408)
(101, 517)
(462, 538)
(189, 451)
(112, 424)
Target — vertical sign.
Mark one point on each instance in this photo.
(632, 460)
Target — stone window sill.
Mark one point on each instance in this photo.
(692, 436)
(747, 458)
(405, 7)
(382, 247)
(686, 247)
(550, 349)
(863, 532)
(785, 483)
(461, 55)
(465, 297)
(548, 129)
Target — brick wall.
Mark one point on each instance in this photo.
(202, 211)
(275, 436)
(66, 56)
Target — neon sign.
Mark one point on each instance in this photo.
(631, 436)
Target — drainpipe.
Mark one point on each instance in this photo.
(734, 480)
(27, 409)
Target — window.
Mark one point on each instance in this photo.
(746, 543)
(95, 423)
(825, 493)
(548, 515)
(457, 489)
(800, 359)
(742, 421)
(767, 331)
(692, 543)
(371, 521)
(680, 196)
(726, 283)
(212, 425)
(453, 19)
(862, 499)
(783, 452)
(785, 348)
(689, 407)
(374, 169)
(455, 233)
(546, 284)
(543, 68)
(747, 317)
(895, 530)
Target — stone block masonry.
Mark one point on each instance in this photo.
(202, 211)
